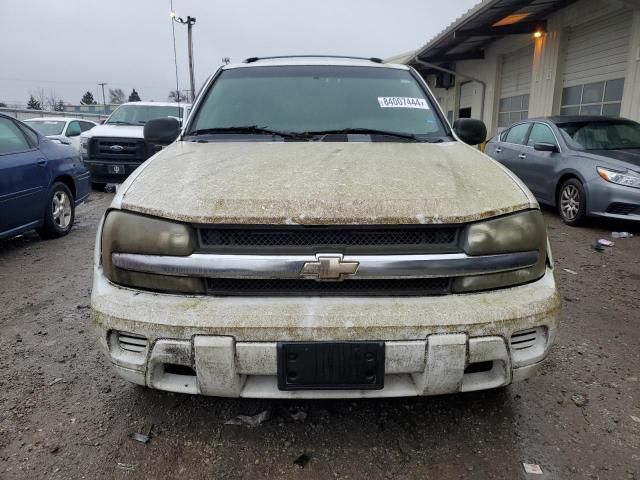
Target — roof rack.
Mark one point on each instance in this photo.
(257, 59)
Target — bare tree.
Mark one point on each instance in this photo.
(179, 96)
(53, 100)
(117, 96)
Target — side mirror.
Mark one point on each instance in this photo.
(545, 147)
(161, 131)
(470, 131)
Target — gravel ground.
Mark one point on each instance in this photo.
(65, 415)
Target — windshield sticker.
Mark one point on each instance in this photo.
(403, 102)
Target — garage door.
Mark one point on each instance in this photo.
(595, 66)
(515, 86)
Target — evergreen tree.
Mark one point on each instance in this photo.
(3, 105)
(134, 97)
(33, 104)
(87, 99)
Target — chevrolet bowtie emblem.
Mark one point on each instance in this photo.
(329, 267)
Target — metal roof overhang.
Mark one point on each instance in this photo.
(468, 37)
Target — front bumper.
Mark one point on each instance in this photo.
(228, 344)
(601, 195)
(100, 170)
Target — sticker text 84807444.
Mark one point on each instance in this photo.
(403, 102)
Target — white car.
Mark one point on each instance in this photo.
(65, 130)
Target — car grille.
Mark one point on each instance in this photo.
(352, 288)
(623, 208)
(120, 149)
(347, 239)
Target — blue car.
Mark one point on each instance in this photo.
(41, 182)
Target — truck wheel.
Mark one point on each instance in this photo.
(572, 202)
(98, 187)
(59, 212)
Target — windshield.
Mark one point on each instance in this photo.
(141, 114)
(303, 99)
(47, 127)
(601, 135)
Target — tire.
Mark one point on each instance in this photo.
(60, 212)
(572, 202)
(98, 187)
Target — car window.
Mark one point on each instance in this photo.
(12, 139)
(518, 134)
(73, 129)
(318, 98)
(84, 126)
(47, 127)
(32, 136)
(594, 135)
(541, 134)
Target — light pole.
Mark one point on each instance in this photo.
(189, 22)
(104, 99)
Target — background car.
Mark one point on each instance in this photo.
(584, 166)
(113, 150)
(61, 129)
(41, 182)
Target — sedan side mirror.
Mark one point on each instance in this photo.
(545, 147)
(470, 130)
(161, 131)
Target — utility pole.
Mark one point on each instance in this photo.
(189, 22)
(104, 99)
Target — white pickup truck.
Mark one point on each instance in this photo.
(115, 149)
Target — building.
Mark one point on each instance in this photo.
(507, 60)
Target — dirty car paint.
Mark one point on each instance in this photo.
(323, 183)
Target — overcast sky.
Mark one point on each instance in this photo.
(70, 45)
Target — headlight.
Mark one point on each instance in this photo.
(627, 179)
(132, 233)
(84, 147)
(522, 232)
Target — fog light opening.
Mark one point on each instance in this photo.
(479, 367)
(174, 369)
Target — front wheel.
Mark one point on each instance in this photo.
(572, 202)
(59, 212)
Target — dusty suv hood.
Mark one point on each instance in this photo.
(322, 183)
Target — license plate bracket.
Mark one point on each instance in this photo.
(116, 169)
(348, 365)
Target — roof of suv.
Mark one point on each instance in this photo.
(313, 60)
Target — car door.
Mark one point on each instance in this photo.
(73, 132)
(509, 151)
(23, 178)
(538, 167)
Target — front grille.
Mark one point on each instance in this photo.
(353, 288)
(623, 208)
(347, 239)
(125, 149)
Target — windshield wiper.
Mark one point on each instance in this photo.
(118, 122)
(366, 131)
(249, 129)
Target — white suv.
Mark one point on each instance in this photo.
(318, 230)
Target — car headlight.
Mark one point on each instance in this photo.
(124, 232)
(84, 147)
(627, 179)
(521, 232)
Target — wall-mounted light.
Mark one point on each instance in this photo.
(537, 35)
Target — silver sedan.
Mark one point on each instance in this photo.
(584, 166)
